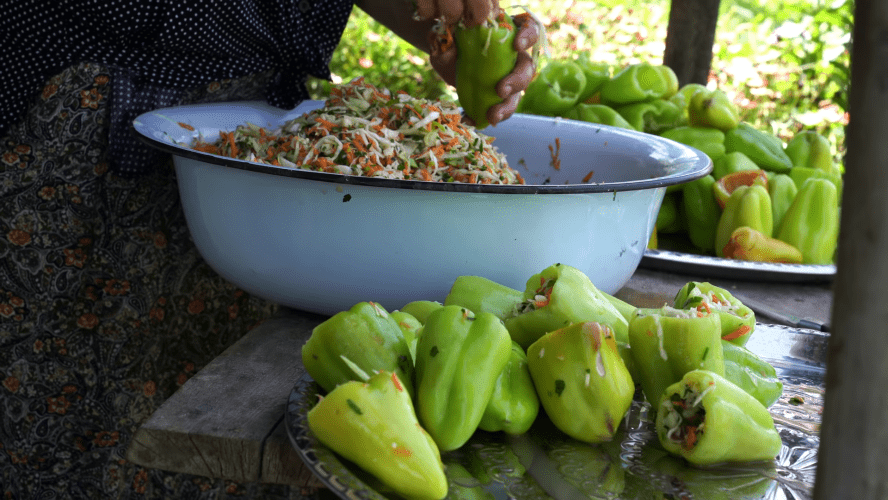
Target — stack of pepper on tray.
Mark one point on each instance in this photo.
(764, 201)
(401, 389)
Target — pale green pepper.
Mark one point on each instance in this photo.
(667, 343)
(709, 420)
(373, 424)
(365, 334)
(557, 297)
(581, 380)
(479, 294)
(748, 206)
(459, 357)
(514, 404)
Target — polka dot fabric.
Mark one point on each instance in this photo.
(157, 50)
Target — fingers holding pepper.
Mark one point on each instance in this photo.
(470, 12)
(489, 64)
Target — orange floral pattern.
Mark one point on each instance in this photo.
(98, 341)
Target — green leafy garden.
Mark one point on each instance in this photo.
(785, 63)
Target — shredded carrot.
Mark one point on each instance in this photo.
(186, 126)
(739, 332)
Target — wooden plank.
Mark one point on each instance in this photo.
(854, 443)
(281, 464)
(217, 423)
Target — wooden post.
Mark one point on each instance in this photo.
(854, 436)
(689, 39)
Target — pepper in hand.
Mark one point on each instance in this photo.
(486, 55)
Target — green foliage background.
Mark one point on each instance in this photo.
(786, 63)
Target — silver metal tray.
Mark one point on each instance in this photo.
(544, 463)
(717, 267)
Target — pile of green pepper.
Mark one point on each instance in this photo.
(695, 216)
(405, 387)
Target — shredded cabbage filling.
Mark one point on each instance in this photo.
(365, 131)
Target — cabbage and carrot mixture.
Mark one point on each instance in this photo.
(365, 131)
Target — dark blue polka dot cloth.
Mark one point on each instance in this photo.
(160, 49)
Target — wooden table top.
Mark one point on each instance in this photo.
(227, 421)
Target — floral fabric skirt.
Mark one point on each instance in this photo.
(106, 307)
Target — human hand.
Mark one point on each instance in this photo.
(444, 55)
(470, 12)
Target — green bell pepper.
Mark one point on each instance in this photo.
(411, 329)
(712, 108)
(635, 83)
(597, 113)
(459, 357)
(701, 212)
(514, 404)
(748, 206)
(485, 55)
(811, 223)
(669, 217)
(731, 163)
(624, 308)
(626, 353)
(420, 309)
(709, 420)
(748, 244)
(581, 380)
(372, 423)
(737, 321)
(558, 296)
(800, 174)
(782, 190)
(811, 150)
(668, 342)
(596, 74)
(751, 373)
(652, 117)
(726, 185)
(671, 80)
(765, 149)
(708, 140)
(683, 96)
(555, 89)
(365, 334)
(479, 294)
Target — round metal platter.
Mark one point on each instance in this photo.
(545, 463)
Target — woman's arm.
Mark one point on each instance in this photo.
(398, 16)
